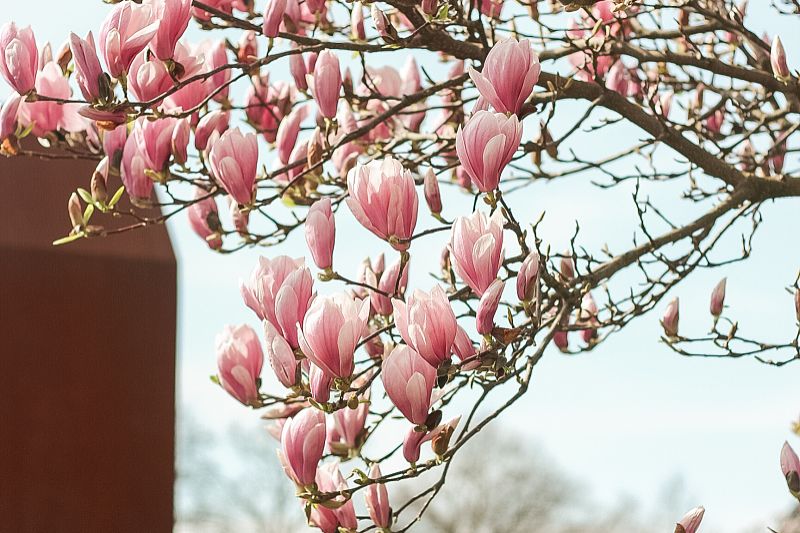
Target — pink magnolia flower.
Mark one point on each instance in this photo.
(321, 233)
(386, 282)
(88, 72)
(377, 497)
(330, 479)
(346, 434)
(19, 57)
(718, 298)
(114, 143)
(487, 307)
(234, 162)
(476, 248)
(299, 70)
(690, 522)
(225, 6)
(320, 383)
(326, 83)
(154, 138)
(215, 53)
(408, 380)
(485, 145)
(587, 316)
(432, 195)
(273, 17)
(790, 466)
(216, 120)
(428, 324)
(281, 357)
(777, 59)
(180, 141)
(332, 329)
(125, 32)
(491, 8)
(357, 31)
(279, 291)
(412, 444)
(509, 74)
(302, 444)
(8, 116)
(288, 130)
(148, 77)
(465, 350)
(204, 219)
(239, 358)
(383, 199)
(671, 317)
(528, 278)
(52, 116)
(173, 17)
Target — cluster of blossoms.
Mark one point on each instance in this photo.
(160, 114)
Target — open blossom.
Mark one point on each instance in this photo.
(204, 219)
(173, 17)
(281, 357)
(509, 74)
(377, 498)
(332, 329)
(234, 163)
(216, 120)
(19, 57)
(383, 199)
(148, 78)
(347, 433)
(321, 232)
(408, 380)
(387, 282)
(330, 479)
(487, 307)
(239, 358)
(428, 324)
(485, 145)
(718, 298)
(326, 83)
(279, 291)
(44, 116)
(88, 72)
(671, 318)
(133, 167)
(154, 138)
(690, 522)
(302, 444)
(790, 466)
(125, 32)
(476, 249)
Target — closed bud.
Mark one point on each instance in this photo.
(357, 32)
(75, 211)
(383, 25)
(718, 298)
(777, 59)
(248, 47)
(797, 304)
(567, 267)
(790, 466)
(98, 184)
(315, 149)
(690, 522)
(670, 319)
(432, 195)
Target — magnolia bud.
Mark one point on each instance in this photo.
(790, 466)
(248, 47)
(98, 184)
(690, 521)
(718, 298)
(670, 319)
(777, 58)
(432, 195)
(75, 211)
(315, 149)
(441, 441)
(382, 24)
(567, 268)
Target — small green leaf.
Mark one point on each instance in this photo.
(85, 196)
(117, 196)
(87, 214)
(214, 379)
(67, 239)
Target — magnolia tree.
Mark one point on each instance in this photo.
(478, 99)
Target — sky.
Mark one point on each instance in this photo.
(625, 419)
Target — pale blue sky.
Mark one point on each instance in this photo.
(624, 419)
